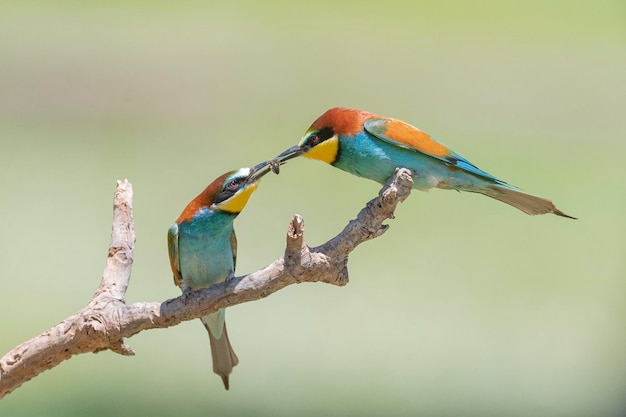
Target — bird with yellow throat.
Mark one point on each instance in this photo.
(372, 146)
(203, 250)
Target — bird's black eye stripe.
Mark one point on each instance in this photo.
(320, 136)
(222, 196)
(230, 188)
(314, 139)
(233, 184)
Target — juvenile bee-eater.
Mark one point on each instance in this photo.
(203, 249)
(373, 146)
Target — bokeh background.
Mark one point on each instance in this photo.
(465, 307)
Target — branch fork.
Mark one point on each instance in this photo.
(107, 320)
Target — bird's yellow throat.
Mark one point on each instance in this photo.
(236, 203)
(325, 151)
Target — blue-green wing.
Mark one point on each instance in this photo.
(403, 135)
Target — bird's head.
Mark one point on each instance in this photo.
(230, 192)
(321, 140)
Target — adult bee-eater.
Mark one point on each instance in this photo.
(203, 249)
(373, 146)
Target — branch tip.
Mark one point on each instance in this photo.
(296, 227)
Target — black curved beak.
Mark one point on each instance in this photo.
(257, 171)
(290, 153)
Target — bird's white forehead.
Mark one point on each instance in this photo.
(240, 173)
(243, 172)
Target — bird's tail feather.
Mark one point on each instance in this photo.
(528, 203)
(224, 358)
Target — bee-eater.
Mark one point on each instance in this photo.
(371, 146)
(203, 249)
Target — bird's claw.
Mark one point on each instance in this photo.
(186, 295)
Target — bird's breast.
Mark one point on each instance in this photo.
(205, 251)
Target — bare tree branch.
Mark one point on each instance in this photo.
(107, 320)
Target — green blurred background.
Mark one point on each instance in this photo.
(465, 307)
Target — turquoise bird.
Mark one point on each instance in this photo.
(371, 146)
(203, 250)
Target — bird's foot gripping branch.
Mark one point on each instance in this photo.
(107, 320)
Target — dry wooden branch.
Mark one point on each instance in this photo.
(107, 320)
